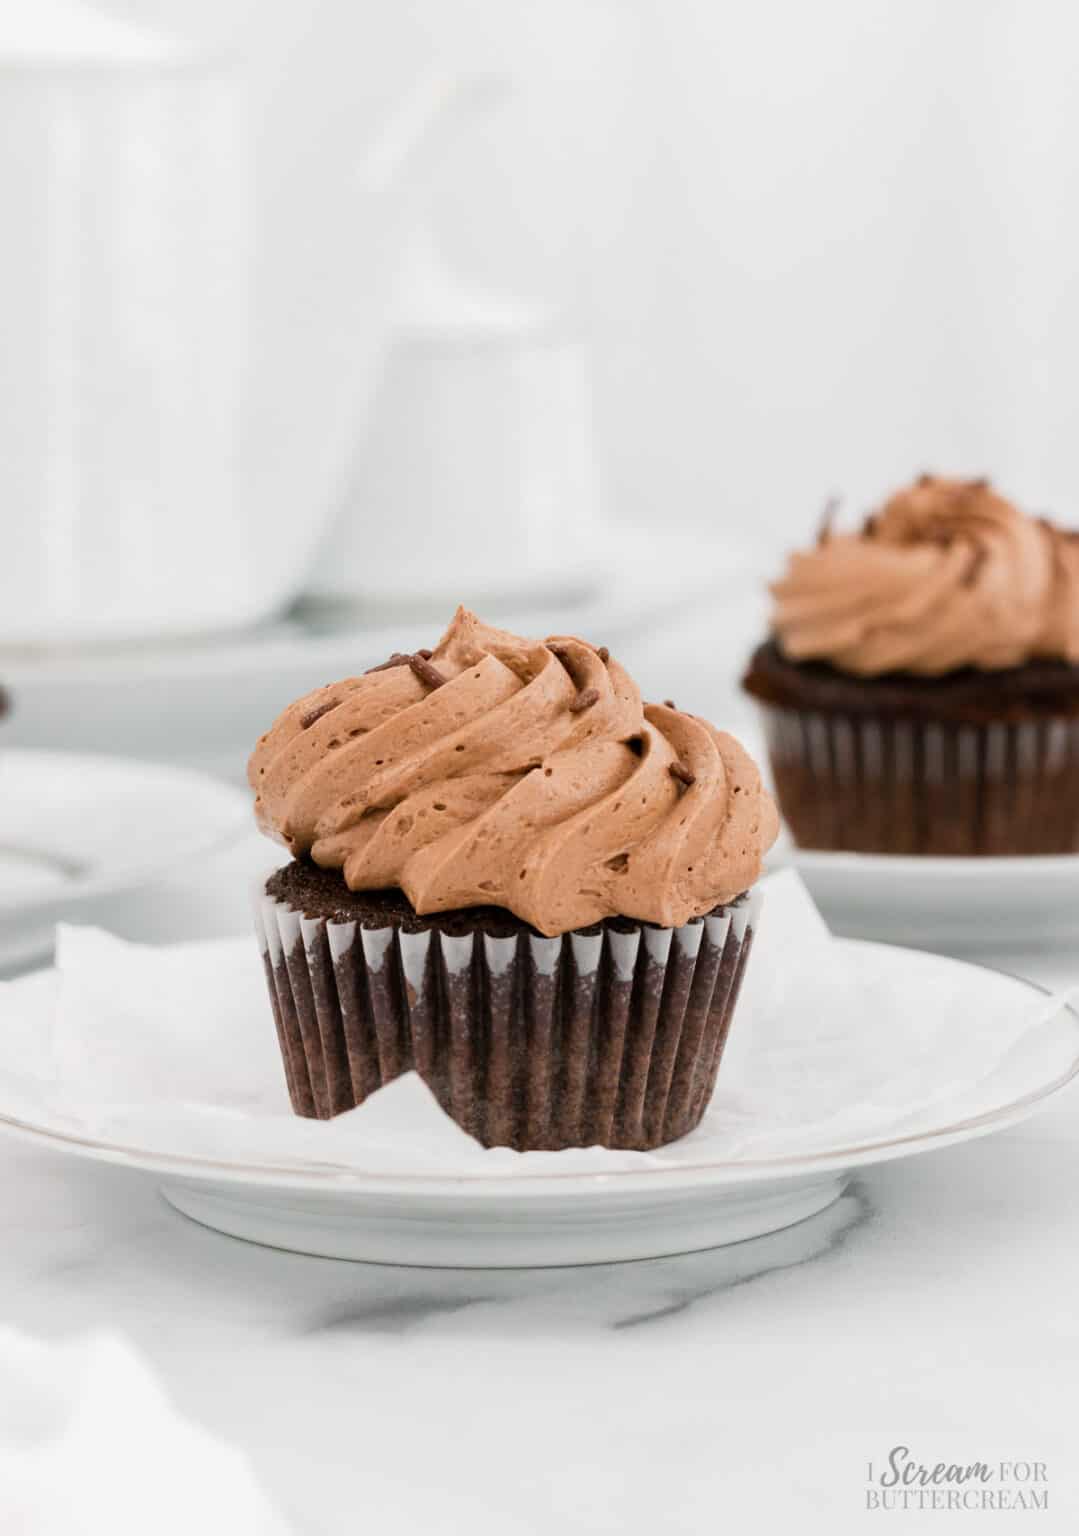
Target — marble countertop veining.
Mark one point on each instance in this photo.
(932, 1306)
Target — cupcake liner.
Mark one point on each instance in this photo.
(874, 785)
(611, 1036)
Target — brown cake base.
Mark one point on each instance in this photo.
(610, 1035)
(971, 764)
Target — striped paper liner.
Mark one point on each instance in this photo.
(601, 1036)
(875, 785)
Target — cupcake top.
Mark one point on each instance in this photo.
(947, 575)
(515, 773)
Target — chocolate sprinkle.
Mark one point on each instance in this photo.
(827, 518)
(398, 659)
(603, 653)
(670, 704)
(317, 714)
(584, 700)
(680, 772)
(426, 672)
(973, 570)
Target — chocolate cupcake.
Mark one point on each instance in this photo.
(920, 691)
(511, 876)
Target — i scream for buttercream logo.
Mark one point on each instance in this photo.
(903, 1481)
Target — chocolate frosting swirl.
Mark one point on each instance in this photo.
(515, 773)
(947, 575)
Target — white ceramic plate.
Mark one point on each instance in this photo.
(500, 1220)
(74, 828)
(945, 904)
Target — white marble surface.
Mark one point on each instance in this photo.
(935, 1306)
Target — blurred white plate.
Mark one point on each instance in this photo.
(944, 904)
(223, 691)
(74, 828)
(505, 1220)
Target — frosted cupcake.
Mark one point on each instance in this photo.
(921, 689)
(512, 876)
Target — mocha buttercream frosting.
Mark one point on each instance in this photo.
(948, 574)
(515, 773)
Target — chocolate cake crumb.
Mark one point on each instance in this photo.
(318, 892)
(1034, 691)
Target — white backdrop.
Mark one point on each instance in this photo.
(816, 246)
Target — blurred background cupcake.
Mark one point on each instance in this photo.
(920, 691)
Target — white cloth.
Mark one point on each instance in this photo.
(91, 1446)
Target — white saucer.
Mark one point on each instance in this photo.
(944, 903)
(75, 828)
(505, 1220)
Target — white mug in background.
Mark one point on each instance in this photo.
(160, 474)
(123, 297)
(477, 479)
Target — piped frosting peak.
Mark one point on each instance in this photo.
(524, 774)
